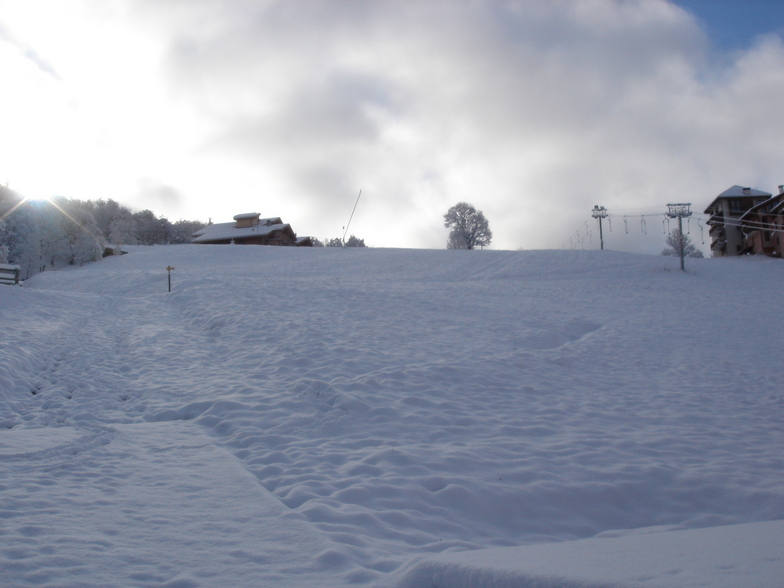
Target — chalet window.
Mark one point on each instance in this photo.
(734, 205)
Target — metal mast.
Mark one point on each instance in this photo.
(680, 211)
(600, 212)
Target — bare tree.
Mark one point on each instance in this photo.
(470, 228)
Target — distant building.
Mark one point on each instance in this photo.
(762, 226)
(250, 229)
(725, 213)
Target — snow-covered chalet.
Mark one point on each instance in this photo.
(250, 229)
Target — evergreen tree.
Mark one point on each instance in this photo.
(355, 242)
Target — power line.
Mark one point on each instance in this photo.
(752, 225)
(600, 213)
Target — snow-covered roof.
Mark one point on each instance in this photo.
(739, 191)
(228, 231)
(247, 215)
(213, 227)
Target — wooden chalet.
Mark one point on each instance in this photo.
(250, 229)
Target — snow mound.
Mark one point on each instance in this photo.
(719, 557)
(381, 405)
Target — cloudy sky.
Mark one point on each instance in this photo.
(532, 110)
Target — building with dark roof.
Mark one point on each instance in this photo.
(725, 213)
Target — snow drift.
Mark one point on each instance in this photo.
(380, 417)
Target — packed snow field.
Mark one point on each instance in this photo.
(358, 416)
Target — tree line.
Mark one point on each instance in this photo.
(352, 241)
(46, 234)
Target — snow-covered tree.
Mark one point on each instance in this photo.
(122, 230)
(72, 229)
(3, 246)
(5, 206)
(150, 230)
(470, 228)
(22, 237)
(677, 241)
(55, 247)
(86, 242)
(53, 224)
(41, 234)
(355, 242)
(105, 212)
(182, 231)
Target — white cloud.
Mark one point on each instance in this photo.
(532, 111)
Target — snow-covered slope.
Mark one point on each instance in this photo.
(333, 416)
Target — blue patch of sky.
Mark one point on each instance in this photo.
(735, 24)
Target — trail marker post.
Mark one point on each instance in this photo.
(169, 271)
(679, 211)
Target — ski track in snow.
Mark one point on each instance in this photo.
(393, 402)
